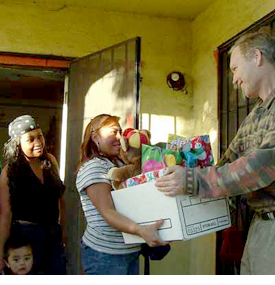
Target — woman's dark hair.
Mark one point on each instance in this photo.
(14, 242)
(89, 148)
(14, 159)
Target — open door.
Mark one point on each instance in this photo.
(104, 82)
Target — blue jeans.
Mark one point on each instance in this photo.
(99, 263)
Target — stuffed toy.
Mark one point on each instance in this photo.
(131, 145)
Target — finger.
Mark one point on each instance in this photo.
(160, 242)
(159, 223)
(170, 170)
(167, 174)
(171, 193)
(160, 184)
(166, 188)
(163, 243)
(163, 179)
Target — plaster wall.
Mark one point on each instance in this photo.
(220, 22)
(165, 47)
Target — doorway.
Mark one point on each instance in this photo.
(35, 91)
(63, 95)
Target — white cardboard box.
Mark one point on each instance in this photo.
(185, 216)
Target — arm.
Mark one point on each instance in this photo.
(62, 217)
(233, 175)
(100, 195)
(244, 175)
(5, 213)
(61, 201)
(54, 163)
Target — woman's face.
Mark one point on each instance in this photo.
(33, 143)
(108, 138)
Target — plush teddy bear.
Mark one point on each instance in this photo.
(131, 145)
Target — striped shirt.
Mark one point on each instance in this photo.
(99, 235)
(247, 167)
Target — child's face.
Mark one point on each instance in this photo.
(20, 260)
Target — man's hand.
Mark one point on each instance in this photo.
(172, 182)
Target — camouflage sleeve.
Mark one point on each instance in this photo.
(244, 175)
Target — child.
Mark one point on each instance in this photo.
(18, 256)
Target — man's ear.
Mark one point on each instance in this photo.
(258, 57)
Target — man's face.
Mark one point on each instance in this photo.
(20, 260)
(244, 73)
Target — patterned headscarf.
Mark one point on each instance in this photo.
(22, 125)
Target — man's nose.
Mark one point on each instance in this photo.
(235, 79)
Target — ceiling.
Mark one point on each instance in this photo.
(181, 9)
(17, 83)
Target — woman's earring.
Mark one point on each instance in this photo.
(97, 143)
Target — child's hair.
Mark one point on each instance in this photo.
(14, 242)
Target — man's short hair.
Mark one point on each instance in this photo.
(263, 39)
(14, 242)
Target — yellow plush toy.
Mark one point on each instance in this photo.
(131, 143)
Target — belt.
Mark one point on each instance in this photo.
(267, 216)
(21, 222)
(25, 222)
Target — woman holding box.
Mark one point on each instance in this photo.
(103, 249)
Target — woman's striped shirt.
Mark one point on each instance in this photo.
(99, 235)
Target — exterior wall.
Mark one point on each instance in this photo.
(220, 22)
(165, 47)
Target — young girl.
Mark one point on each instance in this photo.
(103, 249)
(31, 195)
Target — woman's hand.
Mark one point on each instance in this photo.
(150, 234)
(100, 195)
(172, 182)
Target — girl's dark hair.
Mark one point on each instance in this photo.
(89, 148)
(14, 242)
(14, 159)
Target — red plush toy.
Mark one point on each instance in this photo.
(131, 144)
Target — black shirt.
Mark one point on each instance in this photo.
(33, 201)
